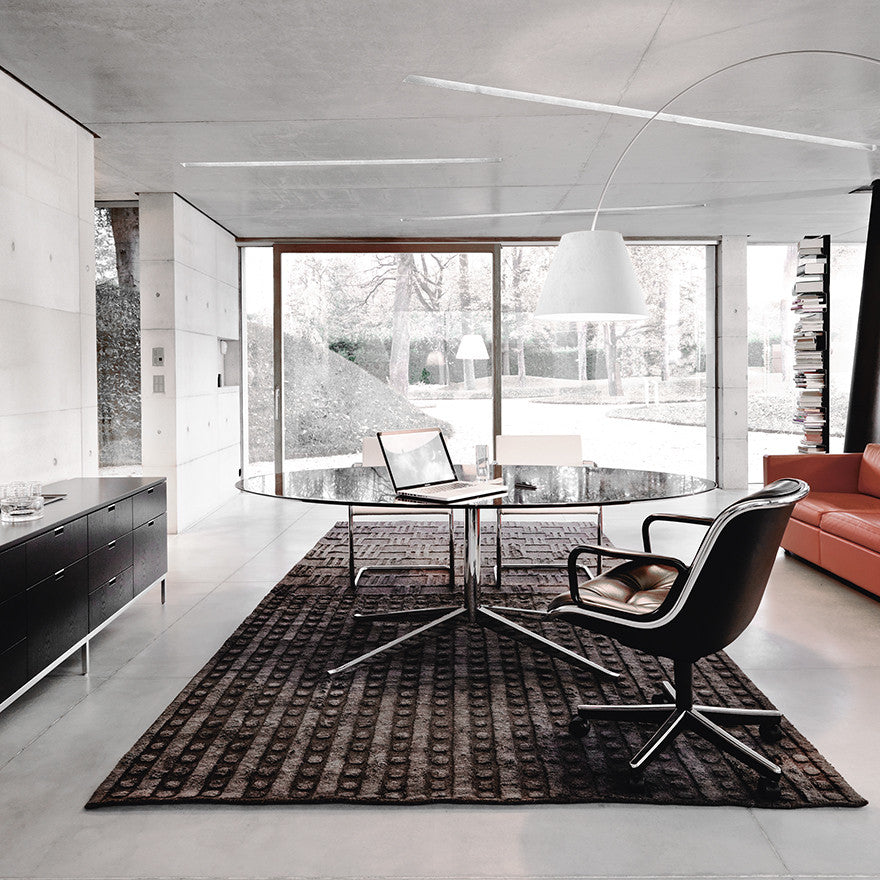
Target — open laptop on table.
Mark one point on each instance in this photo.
(420, 467)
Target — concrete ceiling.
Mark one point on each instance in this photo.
(164, 82)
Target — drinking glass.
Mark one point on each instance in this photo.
(482, 459)
(21, 501)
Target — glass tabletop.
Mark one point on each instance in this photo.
(527, 486)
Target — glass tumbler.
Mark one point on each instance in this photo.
(21, 501)
(482, 461)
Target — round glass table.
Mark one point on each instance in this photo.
(526, 486)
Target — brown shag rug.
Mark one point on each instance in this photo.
(464, 715)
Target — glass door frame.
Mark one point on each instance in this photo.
(385, 246)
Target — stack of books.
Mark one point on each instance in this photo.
(810, 305)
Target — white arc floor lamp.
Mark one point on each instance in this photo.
(591, 277)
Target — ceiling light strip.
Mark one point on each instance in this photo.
(617, 110)
(320, 163)
(624, 210)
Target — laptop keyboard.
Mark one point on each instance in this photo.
(444, 487)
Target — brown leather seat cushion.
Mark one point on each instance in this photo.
(862, 528)
(636, 589)
(818, 504)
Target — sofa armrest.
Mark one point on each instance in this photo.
(834, 472)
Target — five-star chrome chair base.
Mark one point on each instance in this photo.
(677, 712)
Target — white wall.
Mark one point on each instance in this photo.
(48, 361)
(189, 300)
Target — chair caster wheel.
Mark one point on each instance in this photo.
(578, 728)
(769, 789)
(659, 698)
(770, 731)
(636, 781)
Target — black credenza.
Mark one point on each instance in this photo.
(65, 576)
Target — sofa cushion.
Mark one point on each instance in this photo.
(850, 562)
(860, 528)
(869, 470)
(802, 540)
(818, 504)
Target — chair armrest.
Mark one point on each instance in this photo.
(832, 472)
(671, 517)
(615, 553)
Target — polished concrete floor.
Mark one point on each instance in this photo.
(814, 649)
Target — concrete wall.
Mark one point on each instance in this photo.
(189, 301)
(48, 379)
(727, 360)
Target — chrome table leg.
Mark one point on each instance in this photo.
(398, 641)
(539, 643)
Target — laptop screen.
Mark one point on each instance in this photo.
(416, 458)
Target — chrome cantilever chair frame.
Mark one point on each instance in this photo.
(658, 631)
(565, 450)
(371, 456)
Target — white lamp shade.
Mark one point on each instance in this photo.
(472, 348)
(591, 278)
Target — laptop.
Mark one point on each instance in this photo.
(420, 467)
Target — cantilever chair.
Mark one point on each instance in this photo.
(558, 449)
(371, 456)
(684, 612)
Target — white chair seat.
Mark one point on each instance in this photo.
(555, 449)
(371, 456)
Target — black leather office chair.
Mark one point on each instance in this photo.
(684, 612)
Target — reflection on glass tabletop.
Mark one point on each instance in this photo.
(554, 486)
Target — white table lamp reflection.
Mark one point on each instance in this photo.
(471, 348)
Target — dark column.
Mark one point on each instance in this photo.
(863, 416)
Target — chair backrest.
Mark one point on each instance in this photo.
(371, 452)
(561, 449)
(726, 581)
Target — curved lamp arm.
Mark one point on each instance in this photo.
(703, 79)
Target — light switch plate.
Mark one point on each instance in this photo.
(158, 357)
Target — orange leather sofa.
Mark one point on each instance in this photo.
(837, 526)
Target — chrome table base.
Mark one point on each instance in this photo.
(471, 612)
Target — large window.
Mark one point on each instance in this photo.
(635, 391)
(118, 329)
(402, 337)
(258, 440)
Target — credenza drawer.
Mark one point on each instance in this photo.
(150, 552)
(58, 615)
(12, 572)
(55, 550)
(109, 560)
(110, 597)
(109, 522)
(149, 504)
(13, 621)
(13, 669)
